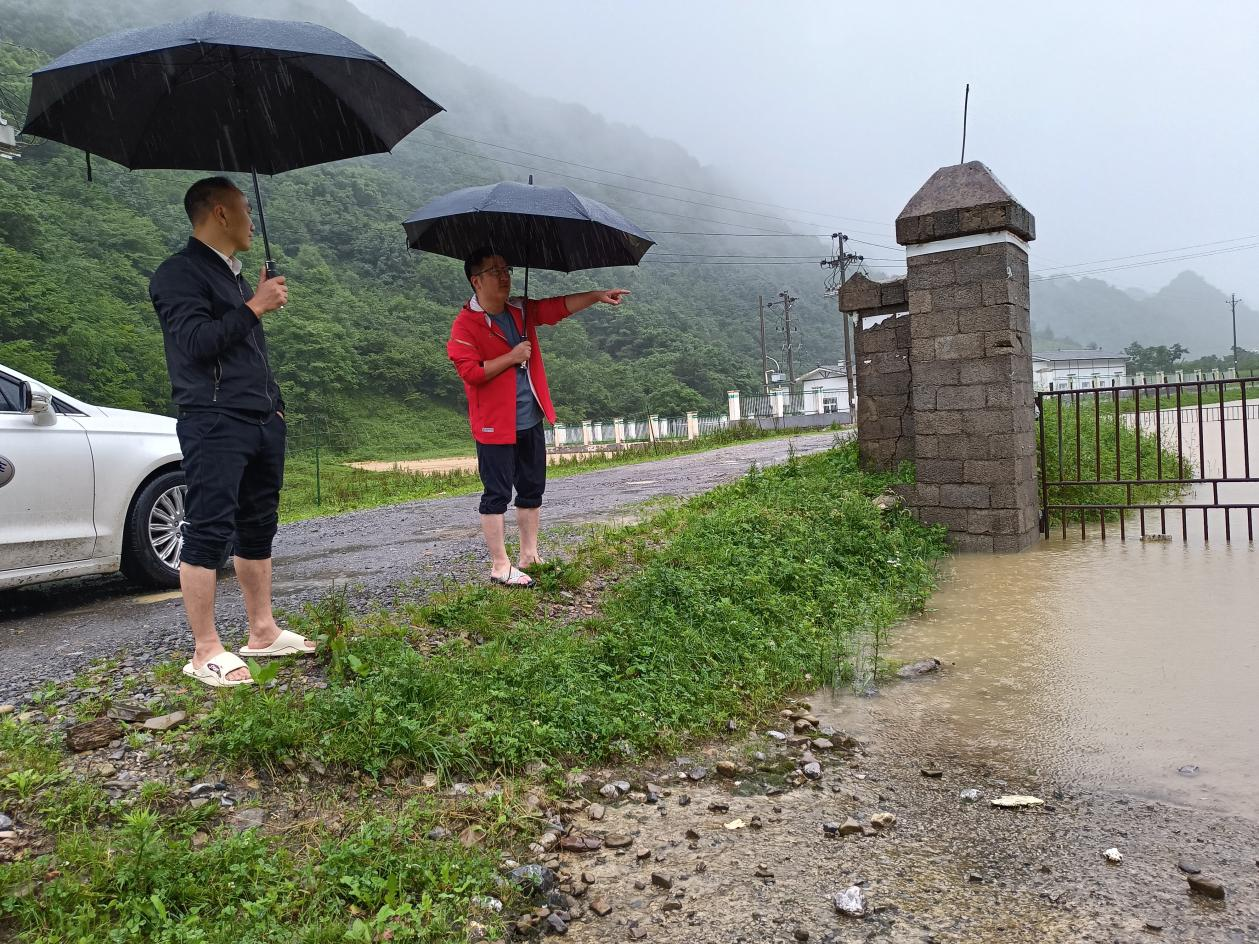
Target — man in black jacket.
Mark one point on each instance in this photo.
(231, 424)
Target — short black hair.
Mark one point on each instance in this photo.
(201, 196)
(478, 256)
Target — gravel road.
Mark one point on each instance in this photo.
(50, 632)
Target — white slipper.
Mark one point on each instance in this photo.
(288, 643)
(216, 671)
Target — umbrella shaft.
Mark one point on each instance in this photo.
(262, 220)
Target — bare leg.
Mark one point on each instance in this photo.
(492, 528)
(527, 518)
(255, 583)
(197, 584)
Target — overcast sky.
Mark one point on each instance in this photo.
(1125, 127)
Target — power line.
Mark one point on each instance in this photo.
(650, 180)
(1142, 255)
(1139, 265)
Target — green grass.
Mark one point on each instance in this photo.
(342, 488)
(143, 880)
(719, 607)
(729, 601)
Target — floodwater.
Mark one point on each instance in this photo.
(1106, 664)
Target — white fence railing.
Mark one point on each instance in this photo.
(638, 429)
(1105, 382)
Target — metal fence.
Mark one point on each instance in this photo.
(1151, 451)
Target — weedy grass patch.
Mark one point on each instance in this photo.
(719, 607)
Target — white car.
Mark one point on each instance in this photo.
(85, 489)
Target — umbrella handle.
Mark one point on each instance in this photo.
(524, 309)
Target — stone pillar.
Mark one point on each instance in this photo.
(587, 434)
(559, 434)
(778, 404)
(653, 424)
(733, 406)
(965, 239)
(618, 430)
(692, 425)
(885, 403)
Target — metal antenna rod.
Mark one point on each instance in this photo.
(965, 111)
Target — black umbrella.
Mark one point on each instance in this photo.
(225, 93)
(534, 227)
(537, 227)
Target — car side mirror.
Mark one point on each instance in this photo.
(37, 402)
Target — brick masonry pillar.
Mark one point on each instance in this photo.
(966, 242)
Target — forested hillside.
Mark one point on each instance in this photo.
(365, 329)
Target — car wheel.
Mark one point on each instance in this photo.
(154, 532)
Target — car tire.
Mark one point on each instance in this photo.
(153, 532)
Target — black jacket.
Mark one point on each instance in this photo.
(216, 352)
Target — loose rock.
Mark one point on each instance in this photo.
(970, 795)
(1207, 887)
(166, 722)
(1113, 856)
(534, 878)
(813, 770)
(660, 880)
(883, 820)
(850, 827)
(92, 735)
(919, 669)
(596, 811)
(1188, 867)
(126, 711)
(1015, 802)
(698, 773)
(727, 768)
(851, 901)
(579, 843)
(617, 841)
(601, 907)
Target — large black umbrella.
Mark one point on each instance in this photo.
(225, 93)
(534, 227)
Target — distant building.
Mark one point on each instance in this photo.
(1078, 369)
(825, 389)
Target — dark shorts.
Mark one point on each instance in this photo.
(234, 468)
(504, 466)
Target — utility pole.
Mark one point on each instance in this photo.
(1233, 300)
(760, 307)
(787, 299)
(841, 261)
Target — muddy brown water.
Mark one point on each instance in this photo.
(1109, 665)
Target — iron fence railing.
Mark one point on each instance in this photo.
(1167, 448)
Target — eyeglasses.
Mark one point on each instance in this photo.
(498, 271)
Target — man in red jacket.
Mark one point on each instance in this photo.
(498, 358)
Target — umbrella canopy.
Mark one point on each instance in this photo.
(536, 227)
(224, 93)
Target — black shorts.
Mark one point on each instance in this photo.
(234, 468)
(522, 465)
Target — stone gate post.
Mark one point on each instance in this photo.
(965, 239)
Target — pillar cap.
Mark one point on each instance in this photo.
(962, 200)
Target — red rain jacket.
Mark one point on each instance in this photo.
(474, 339)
